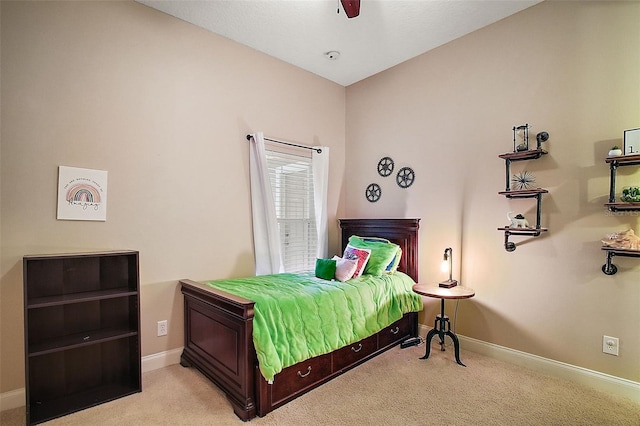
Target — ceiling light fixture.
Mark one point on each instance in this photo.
(332, 55)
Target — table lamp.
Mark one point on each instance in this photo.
(447, 265)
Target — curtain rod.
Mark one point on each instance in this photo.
(318, 150)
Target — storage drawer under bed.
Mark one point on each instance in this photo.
(351, 354)
(299, 377)
(397, 331)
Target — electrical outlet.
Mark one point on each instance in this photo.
(162, 328)
(610, 345)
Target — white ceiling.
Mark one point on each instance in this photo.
(300, 32)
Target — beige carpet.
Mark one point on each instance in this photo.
(396, 388)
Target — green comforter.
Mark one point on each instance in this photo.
(299, 316)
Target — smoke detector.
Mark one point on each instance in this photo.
(332, 55)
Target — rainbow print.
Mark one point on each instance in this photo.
(83, 193)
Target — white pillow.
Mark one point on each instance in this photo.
(344, 268)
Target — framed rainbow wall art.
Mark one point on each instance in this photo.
(82, 194)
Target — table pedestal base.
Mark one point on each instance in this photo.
(442, 327)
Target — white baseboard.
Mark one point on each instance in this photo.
(594, 379)
(161, 359)
(16, 398)
(600, 381)
(12, 399)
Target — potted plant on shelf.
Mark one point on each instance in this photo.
(631, 194)
(615, 151)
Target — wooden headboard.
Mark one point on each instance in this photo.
(403, 232)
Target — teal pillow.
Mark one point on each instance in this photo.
(325, 268)
(383, 253)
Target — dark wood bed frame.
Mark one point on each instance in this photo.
(219, 326)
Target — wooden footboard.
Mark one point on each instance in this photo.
(218, 333)
(218, 342)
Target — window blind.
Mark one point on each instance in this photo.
(291, 178)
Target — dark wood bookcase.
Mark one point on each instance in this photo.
(82, 331)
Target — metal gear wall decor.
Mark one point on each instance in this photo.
(373, 192)
(385, 166)
(405, 177)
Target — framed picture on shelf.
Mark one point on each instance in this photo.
(631, 141)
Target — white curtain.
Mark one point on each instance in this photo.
(266, 238)
(320, 163)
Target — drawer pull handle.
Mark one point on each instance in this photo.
(395, 330)
(305, 374)
(359, 348)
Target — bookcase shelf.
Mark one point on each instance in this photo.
(82, 331)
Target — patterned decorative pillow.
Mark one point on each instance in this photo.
(344, 268)
(358, 254)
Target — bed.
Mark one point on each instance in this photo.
(219, 333)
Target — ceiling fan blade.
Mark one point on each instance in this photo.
(351, 7)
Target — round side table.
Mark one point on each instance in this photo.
(442, 326)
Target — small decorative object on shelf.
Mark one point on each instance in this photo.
(523, 180)
(615, 151)
(542, 137)
(517, 221)
(630, 194)
(627, 240)
(631, 141)
(521, 138)
(625, 244)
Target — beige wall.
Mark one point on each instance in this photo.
(164, 107)
(570, 68)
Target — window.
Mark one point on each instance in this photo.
(291, 176)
